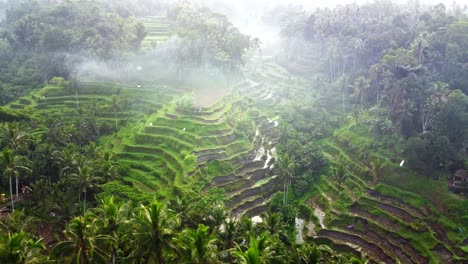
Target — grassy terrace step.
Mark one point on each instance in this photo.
(158, 175)
(141, 161)
(141, 180)
(241, 182)
(212, 156)
(72, 97)
(162, 140)
(230, 149)
(270, 186)
(241, 157)
(195, 119)
(375, 194)
(360, 227)
(250, 167)
(216, 108)
(370, 249)
(112, 114)
(213, 118)
(221, 180)
(336, 151)
(421, 239)
(169, 131)
(17, 106)
(223, 139)
(248, 205)
(391, 210)
(375, 216)
(193, 127)
(25, 101)
(256, 209)
(252, 205)
(165, 153)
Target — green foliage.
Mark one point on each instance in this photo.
(11, 115)
(123, 193)
(429, 152)
(216, 168)
(208, 37)
(21, 248)
(39, 38)
(244, 126)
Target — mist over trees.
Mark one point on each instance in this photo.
(341, 136)
(407, 62)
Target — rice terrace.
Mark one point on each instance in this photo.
(159, 131)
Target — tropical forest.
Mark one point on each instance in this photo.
(238, 132)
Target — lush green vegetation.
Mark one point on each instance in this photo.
(159, 134)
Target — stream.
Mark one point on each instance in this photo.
(299, 228)
(320, 215)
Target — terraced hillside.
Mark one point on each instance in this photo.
(158, 29)
(382, 222)
(277, 79)
(183, 145)
(110, 103)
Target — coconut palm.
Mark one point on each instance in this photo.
(108, 168)
(197, 246)
(12, 165)
(258, 251)
(308, 253)
(153, 230)
(285, 168)
(86, 180)
(13, 137)
(227, 236)
(272, 223)
(339, 175)
(215, 216)
(109, 217)
(19, 248)
(84, 243)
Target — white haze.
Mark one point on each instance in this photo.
(248, 15)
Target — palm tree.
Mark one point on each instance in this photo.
(197, 246)
(110, 216)
(246, 227)
(308, 253)
(215, 216)
(86, 181)
(11, 166)
(227, 235)
(272, 223)
(13, 137)
(108, 168)
(258, 251)
(285, 168)
(153, 230)
(84, 243)
(340, 175)
(361, 85)
(19, 248)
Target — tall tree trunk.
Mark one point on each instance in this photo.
(84, 202)
(361, 99)
(284, 191)
(76, 98)
(16, 182)
(11, 196)
(115, 117)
